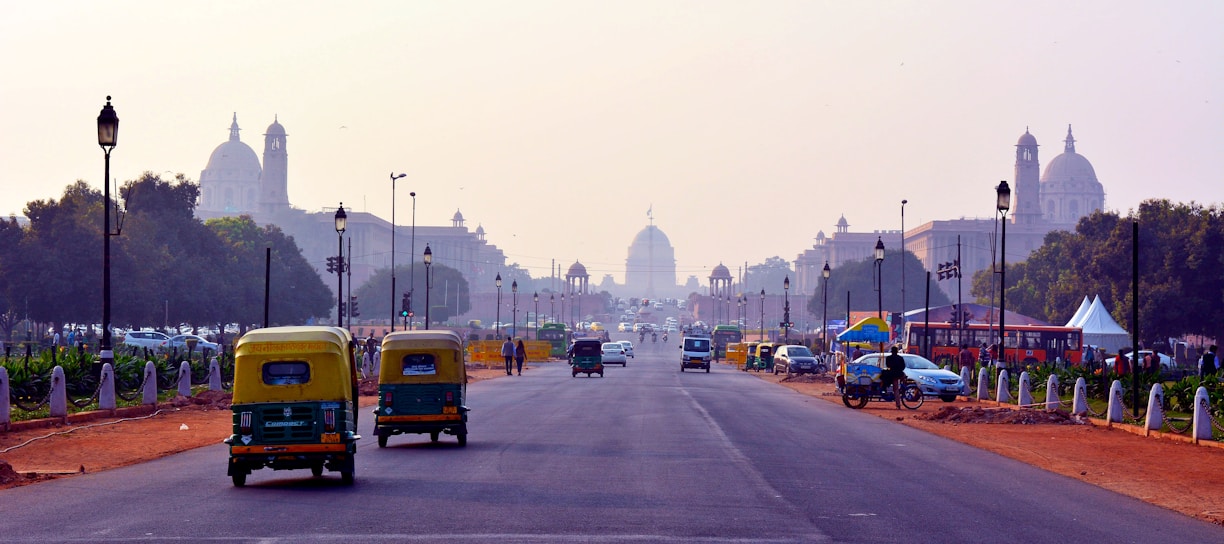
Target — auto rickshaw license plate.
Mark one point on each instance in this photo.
(330, 438)
(450, 410)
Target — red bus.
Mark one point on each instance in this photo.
(1025, 344)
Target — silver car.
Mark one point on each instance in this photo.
(628, 347)
(932, 380)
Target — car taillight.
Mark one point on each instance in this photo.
(329, 420)
(244, 423)
(450, 398)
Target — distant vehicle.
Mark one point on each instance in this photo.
(1166, 362)
(556, 336)
(624, 327)
(614, 353)
(695, 353)
(723, 335)
(180, 343)
(628, 347)
(795, 360)
(596, 326)
(145, 339)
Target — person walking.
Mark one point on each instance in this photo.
(507, 351)
(1209, 363)
(520, 355)
(966, 359)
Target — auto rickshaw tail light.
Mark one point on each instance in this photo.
(388, 398)
(244, 422)
(329, 420)
(450, 398)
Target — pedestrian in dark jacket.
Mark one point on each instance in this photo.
(520, 355)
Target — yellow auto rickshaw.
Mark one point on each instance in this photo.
(422, 385)
(295, 400)
(763, 359)
(750, 349)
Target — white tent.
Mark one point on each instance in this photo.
(1079, 314)
(1101, 330)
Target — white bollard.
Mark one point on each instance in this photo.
(149, 395)
(377, 362)
(59, 393)
(1026, 395)
(6, 411)
(1114, 413)
(214, 375)
(184, 379)
(983, 389)
(1079, 405)
(1155, 414)
(965, 375)
(1052, 400)
(1202, 415)
(1002, 394)
(106, 393)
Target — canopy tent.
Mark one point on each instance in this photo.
(1101, 330)
(1079, 314)
(871, 330)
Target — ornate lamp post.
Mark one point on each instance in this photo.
(824, 307)
(497, 322)
(903, 203)
(428, 260)
(879, 270)
(535, 297)
(394, 177)
(514, 311)
(108, 137)
(341, 225)
(563, 314)
(552, 297)
(786, 309)
(1003, 203)
(762, 315)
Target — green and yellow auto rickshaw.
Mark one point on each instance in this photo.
(750, 349)
(422, 386)
(586, 357)
(294, 404)
(763, 360)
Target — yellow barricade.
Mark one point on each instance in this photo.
(737, 354)
(488, 352)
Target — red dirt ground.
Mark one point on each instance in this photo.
(1183, 477)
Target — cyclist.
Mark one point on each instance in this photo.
(893, 373)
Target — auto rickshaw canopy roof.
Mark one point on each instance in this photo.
(326, 350)
(402, 360)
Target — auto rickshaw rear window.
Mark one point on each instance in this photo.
(419, 364)
(286, 373)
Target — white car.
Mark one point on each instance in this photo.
(144, 339)
(614, 353)
(180, 343)
(628, 347)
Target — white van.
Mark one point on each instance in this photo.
(695, 352)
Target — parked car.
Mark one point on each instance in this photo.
(628, 347)
(932, 380)
(614, 353)
(180, 343)
(1166, 362)
(796, 360)
(624, 327)
(144, 339)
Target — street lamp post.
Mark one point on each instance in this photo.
(412, 261)
(786, 309)
(824, 307)
(879, 269)
(903, 203)
(108, 135)
(514, 310)
(535, 297)
(1003, 203)
(394, 177)
(762, 315)
(428, 260)
(497, 321)
(563, 314)
(341, 225)
(552, 316)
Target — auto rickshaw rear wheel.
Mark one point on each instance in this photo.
(382, 440)
(433, 436)
(346, 476)
(239, 479)
(854, 402)
(462, 438)
(316, 470)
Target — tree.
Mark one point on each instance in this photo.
(767, 275)
(858, 278)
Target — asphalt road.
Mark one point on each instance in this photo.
(645, 454)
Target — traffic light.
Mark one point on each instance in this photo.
(405, 304)
(341, 265)
(353, 312)
(342, 307)
(331, 265)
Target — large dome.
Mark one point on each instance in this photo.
(1026, 138)
(576, 270)
(1070, 167)
(232, 160)
(650, 235)
(720, 272)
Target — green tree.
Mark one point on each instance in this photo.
(859, 281)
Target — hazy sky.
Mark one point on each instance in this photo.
(748, 126)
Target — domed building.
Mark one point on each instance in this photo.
(650, 269)
(1069, 187)
(234, 183)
